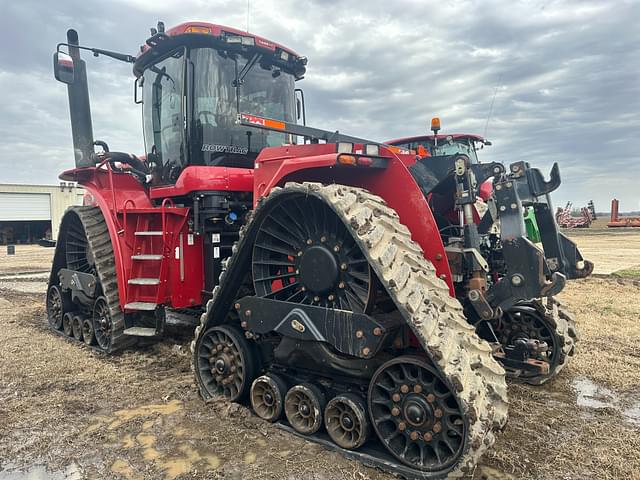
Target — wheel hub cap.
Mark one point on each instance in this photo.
(417, 410)
(319, 270)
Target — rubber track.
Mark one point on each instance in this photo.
(99, 240)
(437, 319)
(564, 327)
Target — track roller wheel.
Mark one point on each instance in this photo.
(226, 362)
(56, 306)
(267, 397)
(303, 407)
(67, 324)
(102, 324)
(76, 327)
(346, 421)
(416, 415)
(87, 332)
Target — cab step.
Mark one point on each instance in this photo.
(146, 256)
(146, 306)
(144, 281)
(140, 332)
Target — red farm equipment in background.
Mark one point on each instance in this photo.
(617, 221)
(348, 289)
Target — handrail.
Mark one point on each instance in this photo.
(124, 214)
(164, 223)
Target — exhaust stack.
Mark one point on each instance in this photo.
(79, 107)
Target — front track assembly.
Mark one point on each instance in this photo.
(84, 246)
(433, 401)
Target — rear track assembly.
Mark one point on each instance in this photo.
(460, 361)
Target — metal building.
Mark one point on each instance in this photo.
(31, 212)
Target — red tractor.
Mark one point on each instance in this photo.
(342, 281)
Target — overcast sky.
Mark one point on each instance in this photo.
(566, 76)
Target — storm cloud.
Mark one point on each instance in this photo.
(566, 78)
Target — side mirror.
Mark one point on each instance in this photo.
(63, 68)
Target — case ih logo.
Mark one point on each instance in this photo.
(264, 43)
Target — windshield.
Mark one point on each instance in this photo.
(445, 147)
(265, 91)
(454, 147)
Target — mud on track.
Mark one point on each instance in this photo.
(81, 414)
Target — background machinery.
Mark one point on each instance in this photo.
(335, 301)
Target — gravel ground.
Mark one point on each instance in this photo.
(68, 412)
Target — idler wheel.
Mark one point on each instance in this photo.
(346, 421)
(87, 332)
(303, 407)
(102, 324)
(267, 397)
(67, 324)
(226, 362)
(416, 415)
(55, 307)
(76, 327)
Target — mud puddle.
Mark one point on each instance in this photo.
(40, 472)
(594, 396)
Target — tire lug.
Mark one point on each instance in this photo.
(417, 388)
(395, 411)
(438, 413)
(402, 426)
(427, 437)
(431, 398)
(396, 397)
(404, 388)
(437, 428)
(414, 436)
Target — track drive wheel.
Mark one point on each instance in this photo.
(346, 421)
(267, 397)
(227, 362)
(88, 336)
(416, 415)
(57, 305)
(303, 407)
(67, 324)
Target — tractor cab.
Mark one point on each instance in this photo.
(195, 79)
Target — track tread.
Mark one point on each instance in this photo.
(100, 243)
(423, 299)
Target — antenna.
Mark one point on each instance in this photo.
(248, 9)
(495, 92)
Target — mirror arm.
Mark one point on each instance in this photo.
(123, 57)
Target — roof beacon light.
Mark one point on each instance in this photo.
(435, 125)
(347, 160)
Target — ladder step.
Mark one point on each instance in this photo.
(149, 234)
(144, 281)
(146, 256)
(147, 306)
(140, 331)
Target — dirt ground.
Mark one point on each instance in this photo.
(67, 412)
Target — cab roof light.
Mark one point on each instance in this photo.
(197, 29)
(372, 149)
(364, 161)
(248, 41)
(233, 39)
(284, 55)
(345, 147)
